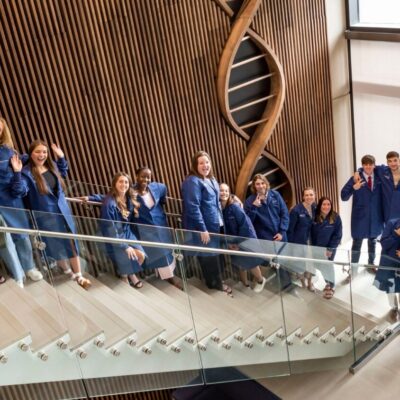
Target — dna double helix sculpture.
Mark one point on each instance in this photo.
(251, 92)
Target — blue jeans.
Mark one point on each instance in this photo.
(17, 256)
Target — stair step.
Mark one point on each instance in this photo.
(115, 329)
(81, 329)
(43, 327)
(174, 329)
(146, 329)
(246, 316)
(181, 310)
(12, 330)
(196, 306)
(202, 301)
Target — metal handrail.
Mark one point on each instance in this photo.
(172, 246)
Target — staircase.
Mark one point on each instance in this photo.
(63, 332)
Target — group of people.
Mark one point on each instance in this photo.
(135, 212)
(375, 190)
(210, 209)
(35, 182)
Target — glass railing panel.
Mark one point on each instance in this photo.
(34, 338)
(318, 314)
(143, 336)
(240, 334)
(374, 287)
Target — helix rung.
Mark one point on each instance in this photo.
(249, 60)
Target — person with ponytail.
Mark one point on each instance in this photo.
(46, 198)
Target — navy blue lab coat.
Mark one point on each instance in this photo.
(114, 225)
(390, 193)
(326, 235)
(237, 223)
(300, 223)
(201, 210)
(366, 211)
(299, 235)
(12, 189)
(156, 217)
(52, 213)
(386, 280)
(270, 218)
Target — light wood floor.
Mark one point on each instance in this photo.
(378, 380)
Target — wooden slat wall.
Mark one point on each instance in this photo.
(118, 83)
(139, 387)
(303, 139)
(123, 83)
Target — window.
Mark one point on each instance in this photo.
(375, 13)
(382, 12)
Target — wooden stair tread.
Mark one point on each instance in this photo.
(261, 311)
(338, 308)
(114, 328)
(81, 329)
(11, 329)
(181, 309)
(43, 327)
(146, 329)
(363, 306)
(197, 309)
(301, 314)
(233, 309)
(173, 328)
(308, 315)
(202, 301)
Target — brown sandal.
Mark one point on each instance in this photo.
(83, 282)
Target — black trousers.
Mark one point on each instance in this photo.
(211, 267)
(356, 247)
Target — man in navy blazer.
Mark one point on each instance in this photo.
(367, 210)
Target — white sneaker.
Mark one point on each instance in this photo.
(34, 274)
(258, 288)
(20, 284)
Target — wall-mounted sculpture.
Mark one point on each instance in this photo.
(251, 92)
